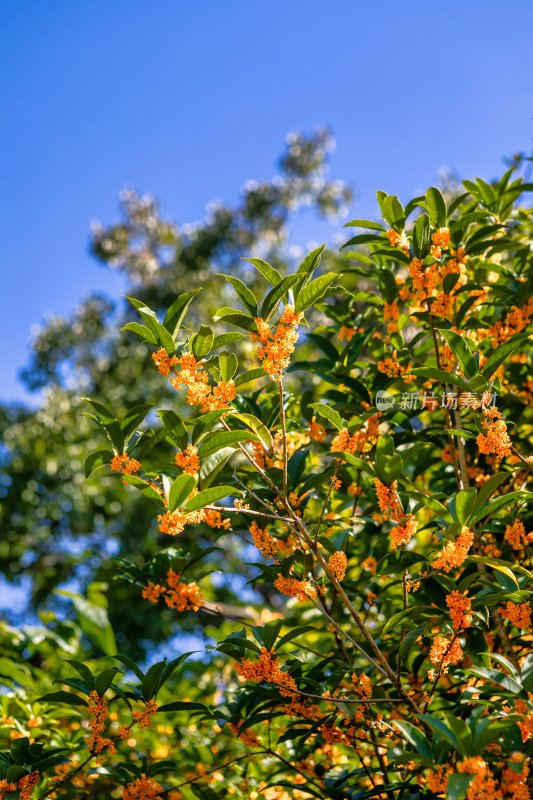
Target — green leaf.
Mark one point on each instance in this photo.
(269, 633)
(227, 366)
(489, 487)
(250, 375)
(465, 502)
(208, 496)
(421, 236)
(288, 637)
(501, 679)
(496, 564)
(96, 460)
(63, 697)
(175, 427)
(130, 664)
(364, 223)
(161, 334)
(312, 260)
(497, 502)
(439, 375)
(448, 734)
(415, 737)
(202, 342)
(211, 466)
(180, 490)
(184, 705)
(177, 311)
(267, 271)
(458, 784)
(328, 413)
(315, 290)
(105, 679)
(501, 353)
(273, 298)
(151, 680)
(83, 670)
(258, 427)
(133, 419)
(217, 441)
(436, 206)
(393, 212)
(141, 330)
(461, 351)
(246, 294)
(235, 317)
(227, 338)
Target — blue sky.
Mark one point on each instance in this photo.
(187, 100)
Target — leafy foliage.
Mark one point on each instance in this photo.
(345, 488)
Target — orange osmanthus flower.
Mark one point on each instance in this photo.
(176, 594)
(495, 439)
(337, 564)
(454, 554)
(265, 543)
(516, 536)
(404, 532)
(125, 464)
(460, 610)
(164, 362)
(517, 613)
(142, 788)
(277, 345)
(195, 379)
(267, 669)
(445, 652)
(98, 711)
(302, 590)
(188, 460)
(388, 500)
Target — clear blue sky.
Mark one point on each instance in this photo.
(188, 99)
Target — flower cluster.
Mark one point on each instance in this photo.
(200, 393)
(178, 595)
(460, 610)
(517, 613)
(515, 321)
(24, 784)
(317, 432)
(142, 789)
(391, 367)
(188, 460)
(173, 523)
(404, 532)
(164, 362)
(444, 652)
(337, 564)
(516, 536)
(125, 464)
(265, 543)
(388, 500)
(362, 685)
(495, 439)
(144, 718)
(98, 711)
(267, 669)
(454, 554)
(277, 345)
(302, 590)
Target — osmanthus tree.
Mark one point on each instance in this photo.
(362, 441)
(54, 525)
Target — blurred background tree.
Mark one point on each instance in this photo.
(56, 527)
